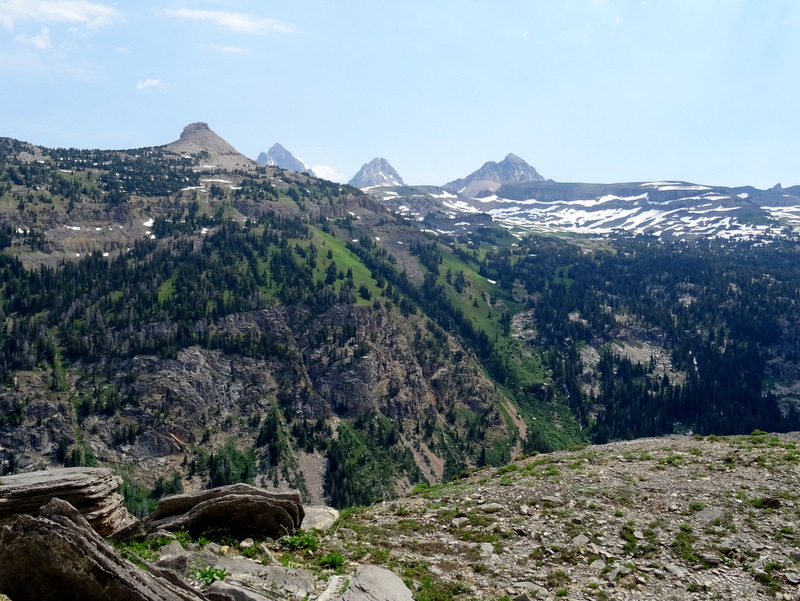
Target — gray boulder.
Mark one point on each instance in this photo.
(320, 517)
(239, 510)
(372, 583)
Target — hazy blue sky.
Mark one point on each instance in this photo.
(584, 90)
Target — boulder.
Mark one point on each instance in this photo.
(58, 556)
(89, 490)
(373, 583)
(230, 590)
(238, 510)
(319, 517)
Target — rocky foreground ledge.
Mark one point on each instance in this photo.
(54, 552)
(657, 519)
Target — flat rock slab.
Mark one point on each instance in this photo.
(319, 517)
(89, 490)
(373, 583)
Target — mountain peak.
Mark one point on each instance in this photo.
(195, 129)
(488, 179)
(200, 142)
(278, 156)
(378, 172)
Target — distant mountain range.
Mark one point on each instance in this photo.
(516, 196)
(513, 194)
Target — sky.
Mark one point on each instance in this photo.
(706, 91)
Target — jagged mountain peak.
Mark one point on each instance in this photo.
(486, 180)
(378, 172)
(200, 142)
(278, 156)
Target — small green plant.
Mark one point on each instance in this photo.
(333, 560)
(287, 561)
(673, 460)
(512, 467)
(629, 538)
(183, 538)
(301, 540)
(765, 503)
(562, 592)
(767, 580)
(697, 506)
(210, 575)
(380, 556)
(421, 487)
(556, 579)
(683, 545)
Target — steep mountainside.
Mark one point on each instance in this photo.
(194, 326)
(278, 156)
(211, 326)
(378, 172)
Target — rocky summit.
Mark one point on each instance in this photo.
(378, 172)
(208, 150)
(278, 156)
(486, 180)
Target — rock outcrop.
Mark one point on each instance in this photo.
(238, 510)
(89, 490)
(57, 555)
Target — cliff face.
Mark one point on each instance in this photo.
(159, 414)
